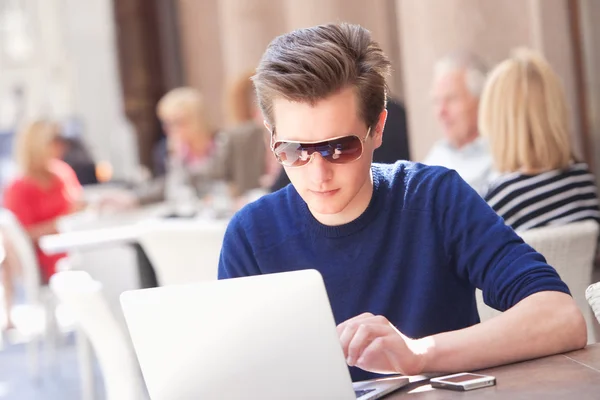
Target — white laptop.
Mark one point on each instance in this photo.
(262, 337)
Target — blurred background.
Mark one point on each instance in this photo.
(100, 67)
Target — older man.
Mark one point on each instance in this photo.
(458, 82)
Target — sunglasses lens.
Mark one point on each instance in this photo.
(344, 150)
(291, 154)
(337, 151)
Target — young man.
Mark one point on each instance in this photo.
(401, 247)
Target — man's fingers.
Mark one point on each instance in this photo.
(343, 325)
(346, 337)
(363, 336)
(361, 339)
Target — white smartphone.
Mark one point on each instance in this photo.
(463, 381)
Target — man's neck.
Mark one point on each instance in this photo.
(353, 210)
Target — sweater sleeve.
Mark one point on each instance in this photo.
(485, 251)
(237, 258)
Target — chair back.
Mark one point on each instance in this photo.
(184, 251)
(25, 253)
(84, 298)
(570, 249)
(592, 294)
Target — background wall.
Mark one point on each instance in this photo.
(73, 69)
(491, 29)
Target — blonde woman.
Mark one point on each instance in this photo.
(190, 136)
(199, 155)
(46, 189)
(524, 114)
(194, 150)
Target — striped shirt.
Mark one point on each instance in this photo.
(555, 197)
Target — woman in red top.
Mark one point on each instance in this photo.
(46, 190)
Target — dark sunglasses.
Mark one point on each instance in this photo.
(338, 150)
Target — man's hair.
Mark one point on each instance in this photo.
(310, 64)
(475, 70)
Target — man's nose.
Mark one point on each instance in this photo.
(320, 169)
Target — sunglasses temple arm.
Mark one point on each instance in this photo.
(272, 139)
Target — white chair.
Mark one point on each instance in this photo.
(183, 251)
(84, 298)
(592, 294)
(38, 297)
(485, 312)
(570, 249)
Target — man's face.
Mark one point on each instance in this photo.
(334, 193)
(455, 108)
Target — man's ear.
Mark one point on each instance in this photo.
(378, 134)
(267, 126)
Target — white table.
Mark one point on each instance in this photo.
(89, 239)
(88, 230)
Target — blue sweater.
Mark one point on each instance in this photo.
(416, 254)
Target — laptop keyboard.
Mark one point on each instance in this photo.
(360, 393)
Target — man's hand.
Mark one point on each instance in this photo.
(372, 343)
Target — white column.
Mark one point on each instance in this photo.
(89, 33)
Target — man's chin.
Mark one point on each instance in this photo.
(326, 206)
(325, 210)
